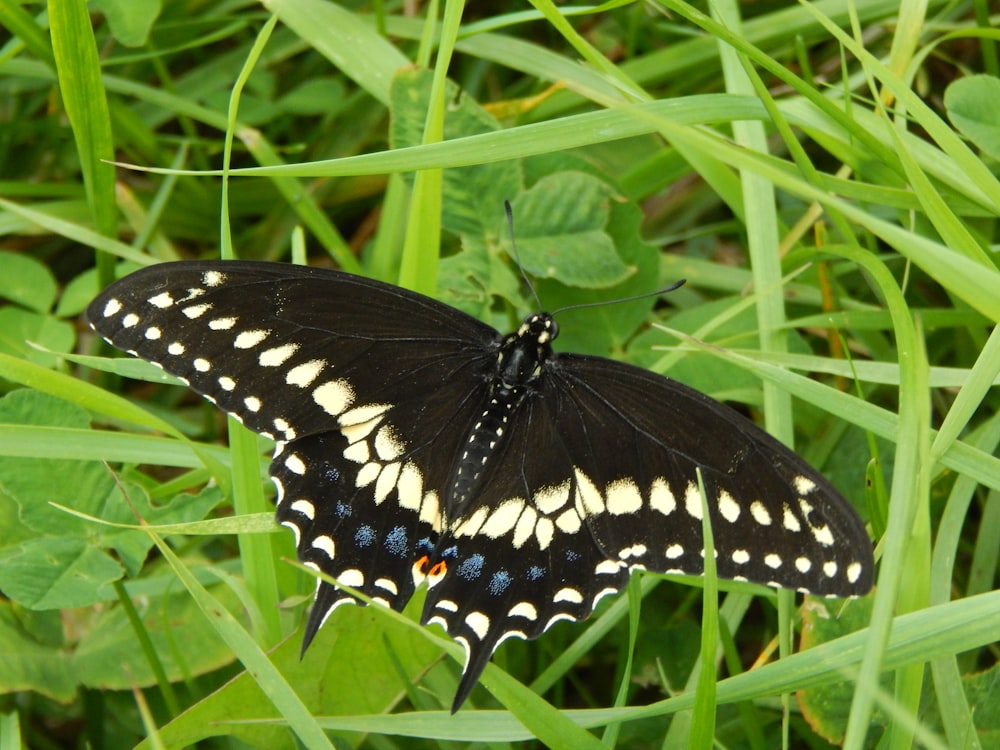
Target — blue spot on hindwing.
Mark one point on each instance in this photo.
(424, 544)
(535, 572)
(395, 542)
(499, 582)
(572, 555)
(364, 536)
(471, 567)
(342, 510)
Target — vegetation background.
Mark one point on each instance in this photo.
(822, 174)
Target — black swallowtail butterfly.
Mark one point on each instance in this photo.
(415, 443)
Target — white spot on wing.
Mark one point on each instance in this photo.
(636, 550)
(478, 623)
(352, 577)
(544, 532)
(196, 311)
(213, 278)
(740, 556)
(550, 499)
(588, 500)
(162, 300)
(623, 497)
(303, 375)
(471, 525)
(607, 567)
(388, 446)
(569, 521)
(822, 534)
(222, 324)
(112, 307)
(854, 572)
(674, 551)
(202, 365)
(772, 560)
(803, 564)
(804, 485)
(568, 595)
(358, 452)
(368, 474)
(130, 320)
(760, 513)
(153, 333)
(661, 498)
(789, 521)
(692, 501)
(527, 610)
(176, 348)
(226, 383)
(430, 510)
(503, 518)
(250, 339)
(410, 486)
(277, 356)
(525, 527)
(361, 414)
(334, 396)
(728, 507)
(324, 544)
(252, 403)
(304, 507)
(295, 465)
(830, 569)
(386, 481)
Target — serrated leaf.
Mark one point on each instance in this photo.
(826, 708)
(473, 196)
(560, 226)
(53, 573)
(606, 330)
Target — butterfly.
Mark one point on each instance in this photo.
(416, 445)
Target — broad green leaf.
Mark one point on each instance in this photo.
(26, 281)
(973, 105)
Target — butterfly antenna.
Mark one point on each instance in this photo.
(633, 298)
(517, 257)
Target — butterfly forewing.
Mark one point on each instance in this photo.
(366, 390)
(415, 442)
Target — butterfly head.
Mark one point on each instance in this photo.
(523, 352)
(540, 328)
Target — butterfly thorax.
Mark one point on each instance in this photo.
(518, 366)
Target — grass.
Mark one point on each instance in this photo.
(823, 175)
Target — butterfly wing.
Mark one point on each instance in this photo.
(600, 476)
(367, 388)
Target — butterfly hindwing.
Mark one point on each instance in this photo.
(618, 490)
